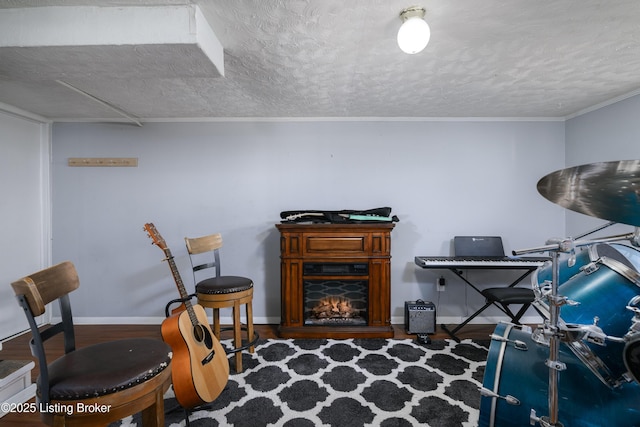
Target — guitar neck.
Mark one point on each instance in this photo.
(184, 296)
(180, 285)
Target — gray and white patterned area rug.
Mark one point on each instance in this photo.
(347, 383)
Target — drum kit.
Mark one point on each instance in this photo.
(581, 367)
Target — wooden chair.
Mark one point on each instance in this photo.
(94, 385)
(219, 291)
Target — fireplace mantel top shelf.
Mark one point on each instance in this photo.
(335, 280)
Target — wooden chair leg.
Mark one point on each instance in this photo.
(59, 421)
(249, 308)
(153, 416)
(237, 336)
(216, 323)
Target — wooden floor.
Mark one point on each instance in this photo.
(18, 348)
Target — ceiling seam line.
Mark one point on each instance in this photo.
(100, 101)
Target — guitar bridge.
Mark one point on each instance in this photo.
(209, 357)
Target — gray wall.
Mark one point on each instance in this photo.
(607, 134)
(24, 206)
(442, 178)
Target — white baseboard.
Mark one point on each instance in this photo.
(448, 320)
(226, 320)
(480, 320)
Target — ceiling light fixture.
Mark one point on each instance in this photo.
(414, 33)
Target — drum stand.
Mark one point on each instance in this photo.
(551, 328)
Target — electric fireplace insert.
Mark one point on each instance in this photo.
(333, 301)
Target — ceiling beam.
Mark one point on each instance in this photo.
(112, 27)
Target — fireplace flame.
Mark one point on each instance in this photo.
(334, 307)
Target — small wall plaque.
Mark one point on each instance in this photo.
(104, 161)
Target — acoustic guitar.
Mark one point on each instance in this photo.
(199, 368)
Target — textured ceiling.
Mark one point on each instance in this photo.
(330, 58)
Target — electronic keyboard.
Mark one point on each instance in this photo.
(478, 262)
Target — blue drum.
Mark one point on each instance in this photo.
(603, 289)
(606, 282)
(518, 377)
(631, 254)
(570, 265)
(632, 356)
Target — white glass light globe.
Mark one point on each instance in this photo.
(413, 35)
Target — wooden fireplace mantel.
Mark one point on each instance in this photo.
(368, 244)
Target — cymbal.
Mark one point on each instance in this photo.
(607, 190)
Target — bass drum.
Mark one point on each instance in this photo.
(516, 368)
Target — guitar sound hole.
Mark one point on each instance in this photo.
(202, 335)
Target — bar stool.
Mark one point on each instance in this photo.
(126, 376)
(221, 292)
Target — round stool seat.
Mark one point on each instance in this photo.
(106, 368)
(224, 285)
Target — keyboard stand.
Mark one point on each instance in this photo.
(452, 333)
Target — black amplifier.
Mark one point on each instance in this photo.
(419, 317)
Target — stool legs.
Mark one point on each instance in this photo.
(237, 332)
(153, 416)
(237, 335)
(234, 301)
(250, 334)
(216, 323)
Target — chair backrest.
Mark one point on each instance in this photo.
(34, 292)
(204, 252)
